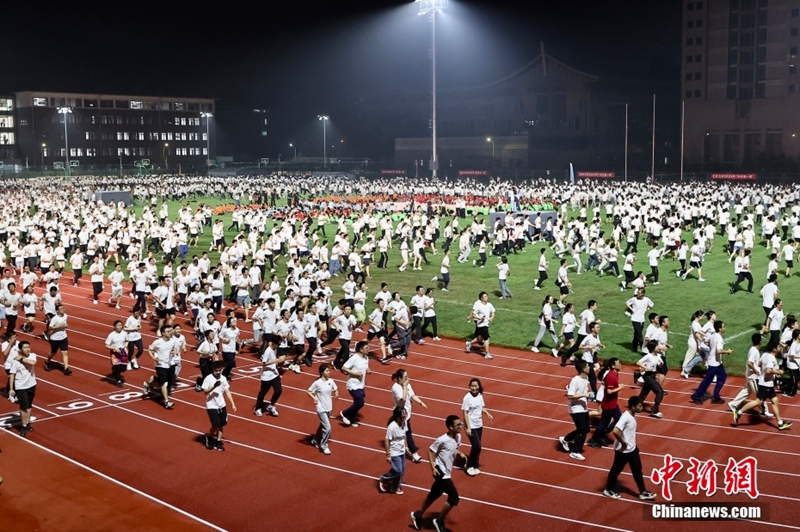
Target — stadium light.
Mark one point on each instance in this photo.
(430, 8)
(208, 117)
(66, 111)
(489, 139)
(295, 150)
(324, 119)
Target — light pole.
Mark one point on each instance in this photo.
(165, 150)
(324, 119)
(208, 117)
(66, 111)
(489, 139)
(295, 150)
(44, 147)
(430, 8)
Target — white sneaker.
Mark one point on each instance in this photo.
(117, 307)
(129, 366)
(296, 368)
(94, 302)
(684, 375)
(468, 347)
(535, 349)
(344, 419)
(577, 456)
(487, 356)
(767, 415)
(701, 280)
(564, 443)
(272, 411)
(555, 353)
(135, 364)
(436, 339)
(258, 412)
(536, 288)
(326, 451)
(656, 283)
(433, 280)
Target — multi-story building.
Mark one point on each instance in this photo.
(106, 129)
(740, 82)
(7, 132)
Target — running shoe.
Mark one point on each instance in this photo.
(647, 496)
(784, 425)
(611, 494)
(416, 520)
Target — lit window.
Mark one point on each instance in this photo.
(179, 106)
(40, 102)
(136, 105)
(205, 151)
(6, 139)
(6, 104)
(205, 137)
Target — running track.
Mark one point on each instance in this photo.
(270, 478)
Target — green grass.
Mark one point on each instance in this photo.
(516, 322)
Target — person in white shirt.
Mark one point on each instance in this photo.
(175, 363)
(270, 377)
(637, 307)
(769, 292)
(115, 278)
(96, 270)
(752, 373)
(483, 313)
(444, 271)
(356, 368)
(28, 302)
(503, 272)
(322, 391)
(403, 395)
(627, 453)
(586, 317)
(474, 409)
(773, 324)
(345, 323)
(792, 356)
(115, 343)
(10, 299)
(652, 257)
(742, 271)
(22, 384)
(441, 455)
(649, 367)
(546, 324)
(768, 370)
(578, 395)
(395, 445)
(788, 255)
(216, 389)
(716, 349)
(161, 353)
(57, 335)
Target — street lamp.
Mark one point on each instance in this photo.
(430, 8)
(489, 139)
(324, 119)
(66, 111)
(44, 147)
(208, 117)
(295, 150)
(165, 158)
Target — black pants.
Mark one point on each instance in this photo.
(312, 346)
(654, 273)
(12, 323)
(475, 453)
(277, 390)
(206, 367)
(418, 327)
(577, 437)
(97, 288)
(431, 320)
(412, 446)
(796, 379)
(651, 385)
(574, 348)
(621, 459)
(139, 349)
(384, 260)
(542, 278)
(343, 354)
(605, 425)
(332, 335)
(741, 276)
(638, 338)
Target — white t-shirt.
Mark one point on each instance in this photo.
(397, 395)
(162, 349)
(24, 378)
(753, 356)
(578, 385)
(361, 365)
(445, 449)
(116, 339)
(715, 343)
(626, 425)
(473, 405)
(639, 306)
(216, 399)
(397, 439)
(587, 317)
(768, 294)
(270, 370)
(323, 391)
(482, 312)
(58, 321)
(767, 361)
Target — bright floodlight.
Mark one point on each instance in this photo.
(207, 115)
(431, 6)
(64, 110)
(488, 139)
(323, 117)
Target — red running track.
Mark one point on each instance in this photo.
(270, 477)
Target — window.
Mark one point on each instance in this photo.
(196, 121)
(689, 59)
(6, 104)
(762, 3)
(136, 105)
(140, 135)
(698, 75)
(762, 36)
(122, 104)
(730, 147)
(179, 106)
(40, 102)
(733, 39)
(748, 4)
(688, 94)
(194, 106)
(690, 24)
(732, 75)
(183, 136)
(733, 57)
(761, 72)
(760, 90)
(90, 103)
(745, 93)
(153, 136)
(76, 152)
(690, 6)
(762, 54)
(699, 5)
(793, 32)
(107, 104)
(183, 121)
(746, 39)
(746, 58)
(795, 12)
(169, 136)
(91, 152)
(774, 145)
(698, 24)
(688, 76)
(205, 137)
(119, 120)
(792, 69)
(689, 41)
(698, 58)
(93, 119)
(746, 75)
(45, 152)
(205, 151)
(91, 135)
(697, 93)
(793, 88)
(793, 51)
(6, 122)
(747, 21)
(731, 92)
(6, 139)
(193, 136)
(698, 41)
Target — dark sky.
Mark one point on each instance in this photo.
(303, 58)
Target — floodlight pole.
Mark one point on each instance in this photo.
(208, 138)
(65, 111)
(324, 119)
(430, 8)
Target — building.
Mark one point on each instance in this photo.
(539, 118)
(104, 130)
(740, 83)
(7, 132)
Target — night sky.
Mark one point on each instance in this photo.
(302, 58)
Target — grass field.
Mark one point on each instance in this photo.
(516, 322)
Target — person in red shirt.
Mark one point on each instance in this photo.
(608, 404)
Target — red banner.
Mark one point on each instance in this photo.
(735, 177)
(393, 172)
(600, 175)
(473, 172)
